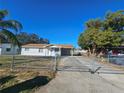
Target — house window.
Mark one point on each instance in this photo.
(8, 49)
(51, 49)
(26, 49)
(56, 49)
(40, 50)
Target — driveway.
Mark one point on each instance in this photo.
(74, 76)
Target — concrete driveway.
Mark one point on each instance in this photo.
(74, 76)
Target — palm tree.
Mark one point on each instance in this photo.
(8, 28)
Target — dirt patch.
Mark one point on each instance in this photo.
(23, 81)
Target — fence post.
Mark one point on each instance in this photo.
(55, 67)
(12, 64)
(55, 63)
(108, 57)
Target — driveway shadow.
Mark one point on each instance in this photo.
(29, 84)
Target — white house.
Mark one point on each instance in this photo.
(46, 50)
(8, 49)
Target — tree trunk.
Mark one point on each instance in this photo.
(89, 51)
(94, 50)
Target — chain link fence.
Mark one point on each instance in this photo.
(114, 59)
(119, 60)
(29, 62)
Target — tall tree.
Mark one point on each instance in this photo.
(94, 23)
(103, 34)
(25, 38)
(8, 28)
(114, 20)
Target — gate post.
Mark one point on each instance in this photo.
(12, 64)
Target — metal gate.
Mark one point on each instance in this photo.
(29, 62)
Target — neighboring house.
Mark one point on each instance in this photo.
(8, 49)
(46, 50)
(80, 51)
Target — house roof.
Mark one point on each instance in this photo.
(47, 45)
(64, 46)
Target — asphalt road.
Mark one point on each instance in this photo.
(74, 76)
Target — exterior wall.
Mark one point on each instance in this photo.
(48, 51)
(56, 50)
(9, 49)
(36, 52)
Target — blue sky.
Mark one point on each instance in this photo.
(60, 21)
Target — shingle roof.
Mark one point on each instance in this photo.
(64, 45)
(34, 45)
(46, 45)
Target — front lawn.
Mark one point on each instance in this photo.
(22, 81)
